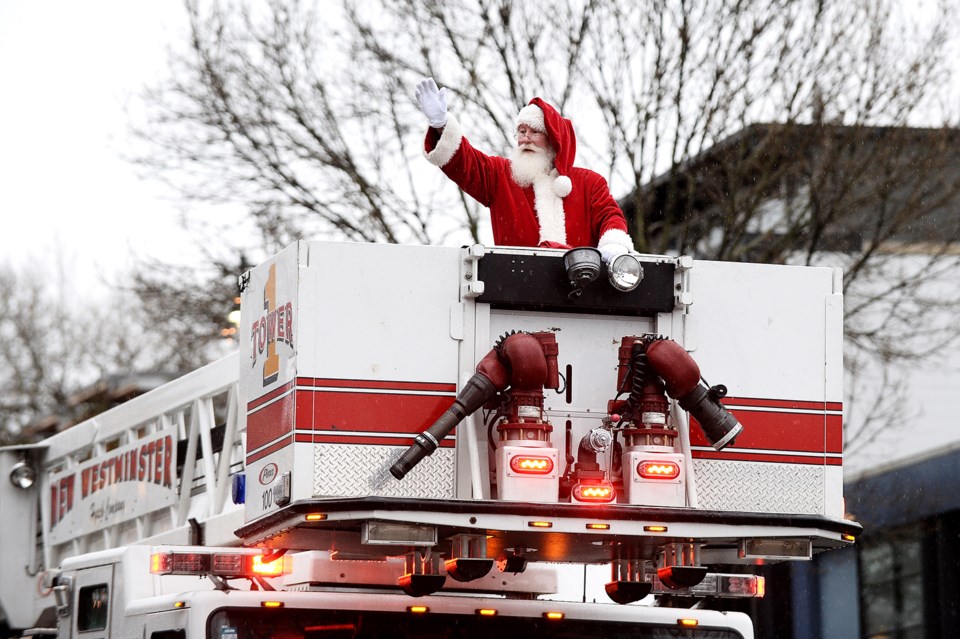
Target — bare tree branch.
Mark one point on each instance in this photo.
(781, 131)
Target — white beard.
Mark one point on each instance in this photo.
(526, 166)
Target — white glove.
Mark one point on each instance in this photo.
(433, 102)
(611, 250)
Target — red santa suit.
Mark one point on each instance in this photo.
(569, 207)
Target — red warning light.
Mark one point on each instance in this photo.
(653, 469)
(531, 464)
(596, 493)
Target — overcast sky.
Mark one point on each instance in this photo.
(67, 70)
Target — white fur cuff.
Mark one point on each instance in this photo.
(447, 145)
(616, 236)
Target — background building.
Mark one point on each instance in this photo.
(830, 194)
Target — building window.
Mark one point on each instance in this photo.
(891, 578)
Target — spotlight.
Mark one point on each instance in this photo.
(512, 562)
(625, 272)
(625, 592)
(420, 585)
(677, 577)
(467, 569)
(583, 266)
(23, 475)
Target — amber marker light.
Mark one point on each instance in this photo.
(540, 524)
(316, 517)
(654, 529)
(688, 623)
(598, 526)
(271, 604)
(761, 586)
(553, 615)
(159, 563)
(487, 612)
(849, 538)
(179, 604)
(418, 610)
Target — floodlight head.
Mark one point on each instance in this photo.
(678, 577)
(467, 569)
(23, 475)
(625, 272)
(625, 592)
(420, 585)
(582, 266)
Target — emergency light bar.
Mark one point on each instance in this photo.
(219, 564)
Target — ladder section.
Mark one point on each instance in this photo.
(158, 464)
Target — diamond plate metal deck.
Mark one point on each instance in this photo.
(753, 487)
(334, 474)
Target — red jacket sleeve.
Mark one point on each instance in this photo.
(606, 213)
(473, 171)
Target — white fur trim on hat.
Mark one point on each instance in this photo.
(532, 116)
(549, 208)
(447, 145)
(562, 186)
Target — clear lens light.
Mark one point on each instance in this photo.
(625, 272)
(23, 475)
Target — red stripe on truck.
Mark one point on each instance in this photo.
(263, 399)
(369, 440)
(728, 454)
(783, 431)
(399, 410)
(377, 384)
(270, 421)
(269, 450)
(403, 414)
(783, 403)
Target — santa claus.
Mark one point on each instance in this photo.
(536, 197)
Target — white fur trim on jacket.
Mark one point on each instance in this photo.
(549, 207)
(447, 145)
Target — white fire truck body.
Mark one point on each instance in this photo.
(451, 416)
(321, 599)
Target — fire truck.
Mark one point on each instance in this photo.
(442, 441)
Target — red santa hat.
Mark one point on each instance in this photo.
(540, 116)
